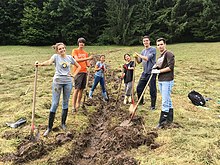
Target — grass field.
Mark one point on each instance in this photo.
(197, 68)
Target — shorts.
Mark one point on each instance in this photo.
(80, 81)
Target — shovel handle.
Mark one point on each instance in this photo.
(34, 100)
(135, 108)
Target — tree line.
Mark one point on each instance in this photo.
(120, 22)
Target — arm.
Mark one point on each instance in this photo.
(78, 67)
(45, 63)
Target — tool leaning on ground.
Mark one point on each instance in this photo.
(119, 91)
(86, 90)
(34, 137)
(132, 111)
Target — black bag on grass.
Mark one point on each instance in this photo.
(196, 98)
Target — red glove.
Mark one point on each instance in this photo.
(125, 67)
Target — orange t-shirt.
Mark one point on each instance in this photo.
(78, 54)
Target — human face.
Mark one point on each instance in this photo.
(61, 49)
(102, 58)
(81, 45)
(127, 58)
(146, 42)
(161, 46)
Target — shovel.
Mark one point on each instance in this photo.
(132, 94)
(132, 111)
(86, 90)
(119, 92)
(34, 103)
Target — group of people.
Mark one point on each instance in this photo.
(63, 77)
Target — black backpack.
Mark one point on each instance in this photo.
(196, 98)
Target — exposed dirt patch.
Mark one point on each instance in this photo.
(104, 142)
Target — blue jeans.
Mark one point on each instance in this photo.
(56, 91)
(165, 88)
(98, 79)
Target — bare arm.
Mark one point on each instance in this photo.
(45, 63)
(140, 56)
(78, 67)
(167, 69)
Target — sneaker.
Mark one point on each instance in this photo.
(125, 100)
(129, 99)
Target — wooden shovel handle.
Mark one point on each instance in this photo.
(135, 108)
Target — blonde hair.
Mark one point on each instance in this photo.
(56, 46)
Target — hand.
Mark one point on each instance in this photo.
(90, 57)
(125, 67)
(103, 68)
(36, 64)
(122, 76)
(155, 71)
(135, 55)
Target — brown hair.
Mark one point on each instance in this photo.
(81, 40)
(56, 46)
(161, 39)
(146, 37)
(126, 54)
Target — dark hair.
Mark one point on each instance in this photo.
(102, 55)
(161, 39)
(126, 55)
(146, 37)
(81, 40)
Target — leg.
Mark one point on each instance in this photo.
(79, 97)
(165, 88)
(140, 87)
(104, 93)
(66, 95)
(56, 90)
(153, 92)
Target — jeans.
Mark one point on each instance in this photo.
(165, 88)
(142, 83)
(56, 91)
(98, 79)
(128, 88)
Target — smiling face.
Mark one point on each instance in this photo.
(61, 49)
(127, 58)
(102, 58)
(146, 42)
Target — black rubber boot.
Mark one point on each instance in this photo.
(170, 116)
(50, 123)
(163, 119)
(63, 120)
(153, 103)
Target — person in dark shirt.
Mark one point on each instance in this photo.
(128, 68)
(165, 68)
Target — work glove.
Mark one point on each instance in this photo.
(135, 55)
(125, 67)
(103, 68)
(155, 71)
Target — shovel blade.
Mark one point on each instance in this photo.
(126, 123)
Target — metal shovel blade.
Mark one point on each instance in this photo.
(126, 123)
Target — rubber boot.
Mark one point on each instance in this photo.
(170, 116)
(153, 103)
(129, 99)
(125, 100)
(50, 123)
(163, 119)
(90, 94)
(63, 119)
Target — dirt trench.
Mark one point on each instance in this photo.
(104, 142)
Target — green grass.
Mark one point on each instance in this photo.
(197, 67)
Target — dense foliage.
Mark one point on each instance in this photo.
(120, 22)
